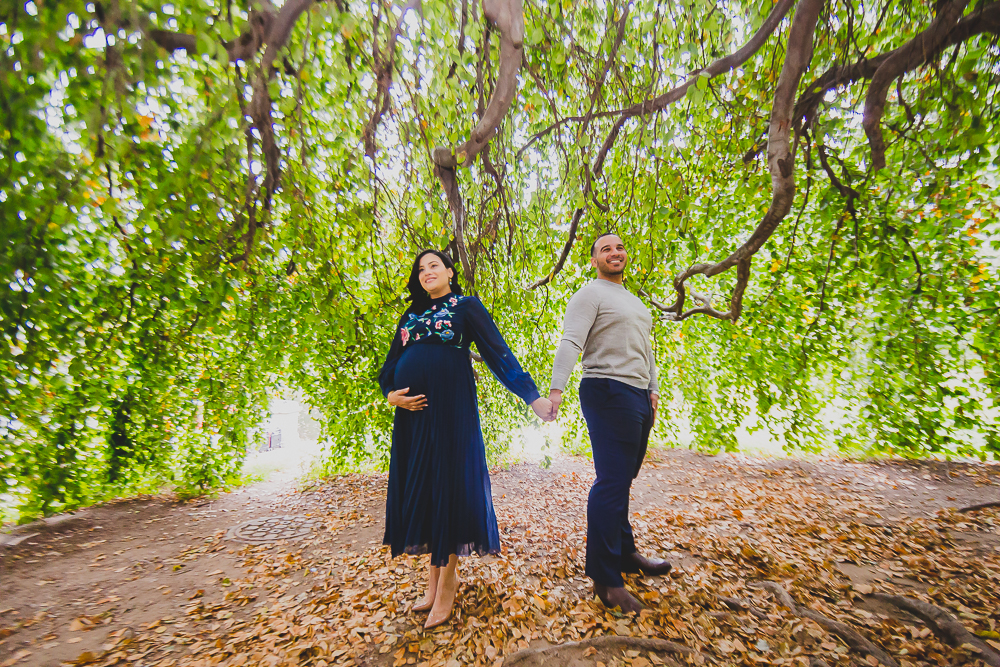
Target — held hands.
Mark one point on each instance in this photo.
(399, 399)
(543, 408)
(555, 398)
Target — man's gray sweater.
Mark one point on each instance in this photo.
(611, 328)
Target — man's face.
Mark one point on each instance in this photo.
(609, 256)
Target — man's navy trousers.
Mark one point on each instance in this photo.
(619, 418)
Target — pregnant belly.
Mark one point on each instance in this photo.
(428, 367)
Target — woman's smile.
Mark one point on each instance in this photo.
(435, 277)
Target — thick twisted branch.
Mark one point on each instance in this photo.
(449, 182)
(780, 161)
(657, 104)
(256, 33)
(508, 17)
(984, 19)
(267, 28)
(260, 104)
(907, 57)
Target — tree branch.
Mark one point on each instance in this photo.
(384, 65)
(508, 17)
(791, 243)
(781, 163)
(720, 66)
(573, 226)
(943, 625)
(588, 185)
(984, 19)
(846, 191)
(449, 182)
(250, 41)
(905, 58)
(980, 506)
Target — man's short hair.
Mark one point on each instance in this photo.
(593, 246)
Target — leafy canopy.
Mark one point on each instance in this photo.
(203, 202)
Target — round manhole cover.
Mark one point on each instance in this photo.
(272, 529)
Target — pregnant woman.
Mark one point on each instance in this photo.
(439, 499)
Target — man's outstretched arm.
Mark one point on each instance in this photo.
(580, 315)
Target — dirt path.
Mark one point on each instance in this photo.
(153, 581)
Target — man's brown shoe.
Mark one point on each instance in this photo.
(618, 597)
(650, 566)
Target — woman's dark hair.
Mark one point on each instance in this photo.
(420, 301)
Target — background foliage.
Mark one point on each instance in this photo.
(155, 295)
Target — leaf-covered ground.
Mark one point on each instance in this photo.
(155, 582)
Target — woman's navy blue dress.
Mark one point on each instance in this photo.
(439, 498)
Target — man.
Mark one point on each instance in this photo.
(611, 328)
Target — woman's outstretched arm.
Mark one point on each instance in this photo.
(496, 353)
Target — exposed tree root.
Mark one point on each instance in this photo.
(850, 636)
(942, 624)
(611, 641)
(740, 605)
(980, 506)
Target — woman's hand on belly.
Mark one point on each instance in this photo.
(399, 399)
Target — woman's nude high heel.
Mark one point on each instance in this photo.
(444, 601)
(428, 600)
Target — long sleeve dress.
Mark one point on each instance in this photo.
(439, 499)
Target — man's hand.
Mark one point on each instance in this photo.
(543, 408)
(555, 397)
(654, 399)
(411, 403)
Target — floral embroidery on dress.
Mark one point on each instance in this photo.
(432, 321)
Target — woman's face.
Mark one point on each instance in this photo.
(434, 275)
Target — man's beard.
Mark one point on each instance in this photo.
(608, 270)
